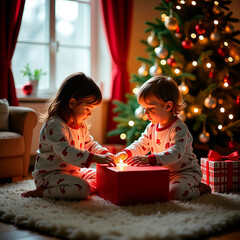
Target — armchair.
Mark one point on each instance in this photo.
(15, 144)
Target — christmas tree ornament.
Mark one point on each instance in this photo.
(178, 33)
(200, 28)
(152, 40)
(222, 51)
(187, 44)
(142, 71)
(217, 9)
(210, 102)
(202, 40)
(204, 137)
(183, 88)
(229, 29)
(238, 100)
(160, 51)
(139, 112)
(215, 36)
(234, 52)
(171, 61)
(212, 74)
(27, 88)
(232, 143)
(171, 23)
(155, 70)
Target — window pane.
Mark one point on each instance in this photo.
(34, 26)
(70, 60)
(73, 23)
(37, 56)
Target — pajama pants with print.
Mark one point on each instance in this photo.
(184, 185)
(63, 185)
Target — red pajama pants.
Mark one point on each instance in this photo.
(63, 185)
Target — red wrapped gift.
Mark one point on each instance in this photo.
(126, 185)
(221, 173)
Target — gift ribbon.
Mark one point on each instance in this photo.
(215, 156)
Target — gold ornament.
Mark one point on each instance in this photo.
(152, 40)
(155, 70)
(183, 88)
(234, 52)
(229, 28)
(204, 137)
(142, 71)
(171, 23)
(210, 102)
(160, 51)
(215, 36)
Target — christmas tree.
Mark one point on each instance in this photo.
(195, 43)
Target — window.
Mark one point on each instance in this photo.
(59, 36)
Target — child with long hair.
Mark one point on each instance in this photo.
(66, 148)
(167, 138)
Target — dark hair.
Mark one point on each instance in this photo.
(162, 88)
(78, 86)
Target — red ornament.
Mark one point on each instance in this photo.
(187, 44)
(212, 74)
(232, 144)
(171, 61)
(27, 88)
(238, 100)
(200, 28)
(222, 51)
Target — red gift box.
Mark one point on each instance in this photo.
(127, 185)
(221, 173)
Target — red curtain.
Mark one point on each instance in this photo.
(117, 15)
(10, 19)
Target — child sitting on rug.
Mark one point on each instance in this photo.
(167, 138)
(66, 149)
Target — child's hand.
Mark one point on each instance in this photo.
(137, 160)
(121, 156)
(110, 155)
(103, 159)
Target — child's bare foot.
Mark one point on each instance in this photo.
(35, 193)
(204, 188)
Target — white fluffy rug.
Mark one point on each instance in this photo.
(96, 218)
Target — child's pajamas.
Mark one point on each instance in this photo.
(171, 147)
(63, 159)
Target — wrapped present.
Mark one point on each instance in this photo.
(124, 185)
(221, 173)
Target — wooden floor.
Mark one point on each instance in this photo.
(12, 232)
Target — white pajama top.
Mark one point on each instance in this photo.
(169, 146)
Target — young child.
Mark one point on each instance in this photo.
(66, 149)
(167, 138)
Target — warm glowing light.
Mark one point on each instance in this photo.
(225, 43)
(230, 116)
(208, 65)
(215, 22)
(163, 16)
(220, 101)
(193, 35)
(222, 109)
(123, 136)
(177, 70)
(178, 7)
(225, 84)
(163, 62)
(216, 3)
(193, 3)
(194, 63)
(220, 126)
(182, 2)
(131, 123)
(201, 37)
(230, 59)
(196, 110)
(136, 90)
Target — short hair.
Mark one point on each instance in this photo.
(163, 89)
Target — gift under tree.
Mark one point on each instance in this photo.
(195, 43)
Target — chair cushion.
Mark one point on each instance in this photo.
(11, 144)
(4, 113)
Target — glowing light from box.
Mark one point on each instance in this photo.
(121, 165)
